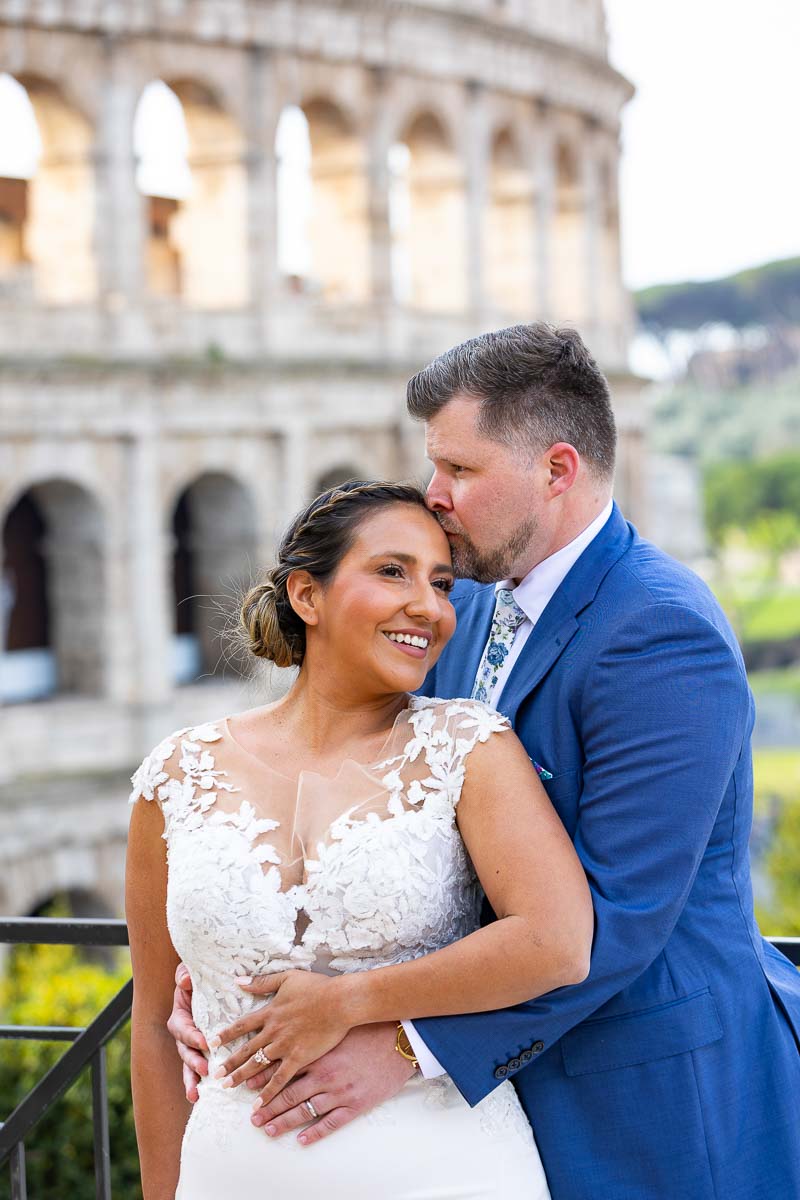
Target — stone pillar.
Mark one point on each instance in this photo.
(545, 182)
(380, 233)
(476, 151)
(262, 224)
(296, 472)
(149, 595)
(593, 230)
(120, 220)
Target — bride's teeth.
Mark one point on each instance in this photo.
(409, 640)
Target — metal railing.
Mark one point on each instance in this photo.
(88, 1045)
(87, 1049)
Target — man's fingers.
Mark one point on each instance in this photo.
(190, 1082)
(325, 1125)
(257, 1082)
(292, 1095)
(182, 977)
(191, 1059)
(295, 1117)
(185, 1031)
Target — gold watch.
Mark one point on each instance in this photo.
(403, 1046)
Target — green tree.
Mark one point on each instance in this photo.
(51, 985)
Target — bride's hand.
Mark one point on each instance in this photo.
(307, 1017)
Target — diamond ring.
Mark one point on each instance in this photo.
(260, 1057)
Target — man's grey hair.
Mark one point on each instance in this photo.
(536, 384)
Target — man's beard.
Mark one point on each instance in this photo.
(492, 565)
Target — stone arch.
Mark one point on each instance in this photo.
(334, 475)
(53, 593)
(47, 218)
(430, 262)
(197, 239)
(569, 276)
(323, 229)
(214, 547)
(510, 215)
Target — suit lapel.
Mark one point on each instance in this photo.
(459, 664)
(558, 624)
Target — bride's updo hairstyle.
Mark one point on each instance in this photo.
(316, 541)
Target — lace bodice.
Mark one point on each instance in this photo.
(268, 872)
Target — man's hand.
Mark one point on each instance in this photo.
(187, 1036)
(362, 1071)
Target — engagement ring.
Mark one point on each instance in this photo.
(261, 1057)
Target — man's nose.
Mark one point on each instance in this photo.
(438, 494)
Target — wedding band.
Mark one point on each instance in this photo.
(309, 1107)
(260, 1057)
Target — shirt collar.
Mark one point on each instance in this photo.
(534, 592)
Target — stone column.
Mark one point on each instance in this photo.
(262, 230)
(476, 150)
(379, 180)
(149, 596)
(120, 209)
(296, 472)
(545, 183)
(593, 231)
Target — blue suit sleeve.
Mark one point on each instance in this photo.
(665, 712)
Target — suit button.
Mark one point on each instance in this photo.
(513, 1064)
(537, 1047)
(501, 1072)
(526, 1056)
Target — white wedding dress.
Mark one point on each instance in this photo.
(268, 872)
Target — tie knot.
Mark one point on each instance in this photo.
(507, 612)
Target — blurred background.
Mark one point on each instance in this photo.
(229, 232)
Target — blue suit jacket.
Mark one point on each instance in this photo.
(673, 1071)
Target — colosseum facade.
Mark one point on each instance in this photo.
(170, 392)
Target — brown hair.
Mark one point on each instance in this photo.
(536, 384)
(316, 541)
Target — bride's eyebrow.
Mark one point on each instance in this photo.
(411, 559)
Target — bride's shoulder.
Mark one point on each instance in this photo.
(466, 719)
(173, 757)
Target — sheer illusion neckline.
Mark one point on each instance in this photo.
(372, 764)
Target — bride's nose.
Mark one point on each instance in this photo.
(427, 602)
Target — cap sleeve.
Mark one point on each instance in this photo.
(150, 778)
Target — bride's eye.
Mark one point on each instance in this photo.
(444, 585)
(392, 570)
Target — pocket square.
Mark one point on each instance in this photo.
(541, 771)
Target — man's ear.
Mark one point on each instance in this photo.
(304, 592)
(563, 463)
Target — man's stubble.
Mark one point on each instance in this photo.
(495, 563)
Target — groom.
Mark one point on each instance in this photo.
(673, 1070)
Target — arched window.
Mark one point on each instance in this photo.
(569, 257)
(213, 531)
(323, 229)
(46, 193)
(509, 244)
(52, 600)
(428, 189)
(191, 168)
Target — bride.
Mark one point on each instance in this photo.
(341, 840)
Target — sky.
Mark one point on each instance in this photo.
(710, 178)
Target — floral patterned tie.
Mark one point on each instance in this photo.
(508, 616)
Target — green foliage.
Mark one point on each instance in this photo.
(51, 985)
(731, 422)
(762, 496)
(766, 295)
(777, 787)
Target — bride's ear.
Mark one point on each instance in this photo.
(303, 591)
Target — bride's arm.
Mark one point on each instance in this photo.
(160, 1106)
(541, 939)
